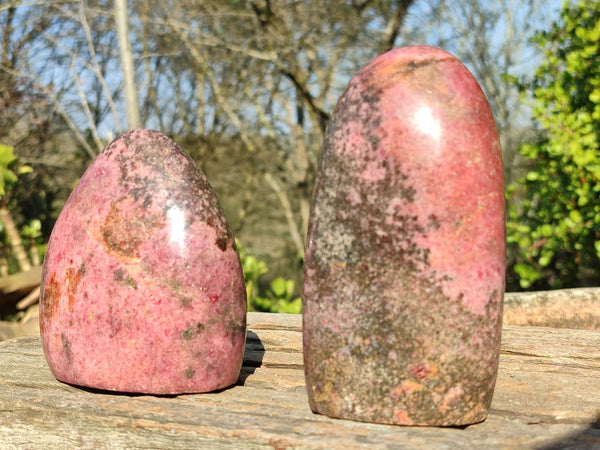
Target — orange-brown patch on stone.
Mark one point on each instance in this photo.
(126, 227)
(50, 298)
(73, 279)
(403, 418)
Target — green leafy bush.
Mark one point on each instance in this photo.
(277, 298)
(10, 169)
(554, 210)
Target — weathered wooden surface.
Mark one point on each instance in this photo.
(547, 396)
(16, 285)
(563, 308)
(28, 325)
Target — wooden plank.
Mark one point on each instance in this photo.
(547, 395)
(19, 282)
(564, 308)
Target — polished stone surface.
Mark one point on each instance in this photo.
(405, 255)
(142, 288)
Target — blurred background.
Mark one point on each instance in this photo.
(247, 87)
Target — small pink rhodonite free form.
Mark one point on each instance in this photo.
(142, 287)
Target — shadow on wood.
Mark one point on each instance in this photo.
(253, 356)
(587, 439)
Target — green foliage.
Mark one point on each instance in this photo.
(554, 212)
(253, 269)
(31, 232)
(278, 297)
(9, 169)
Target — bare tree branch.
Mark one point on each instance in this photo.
(86, 108)
(95, 67)
(48, 91)
(392, 28)
(289, 215)
(204, 67)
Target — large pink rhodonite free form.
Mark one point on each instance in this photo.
(142, 287)
(405, 256)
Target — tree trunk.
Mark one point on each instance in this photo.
(131, 97)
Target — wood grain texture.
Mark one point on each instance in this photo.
(564, 308)
(547, 396)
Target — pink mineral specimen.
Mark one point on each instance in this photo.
(405, 255)
(142, 287)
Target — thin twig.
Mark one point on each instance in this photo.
(289, 216)
(86, 108)
(96, 68)
(59, 108)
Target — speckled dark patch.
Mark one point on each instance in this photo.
(236, 329)
(222, 243)
(66, 347)
(122, 277)
(192, 331)
(171, 165)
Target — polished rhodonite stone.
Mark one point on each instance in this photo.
(142, 288)
(405, 254)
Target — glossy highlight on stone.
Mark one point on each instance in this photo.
(142, 287)
(405, 254)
